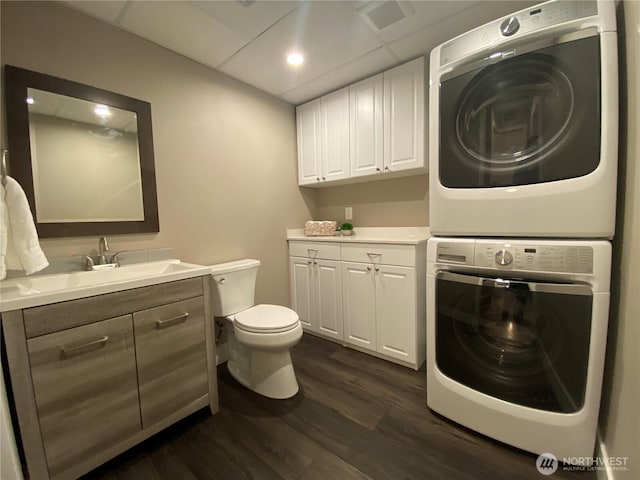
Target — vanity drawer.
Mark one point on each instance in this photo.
(325, 250)
(59, 316)
(387, 254)
(172, 358)
(86, 390)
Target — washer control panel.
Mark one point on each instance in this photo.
(543, 258)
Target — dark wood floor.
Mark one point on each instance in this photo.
(356, 417)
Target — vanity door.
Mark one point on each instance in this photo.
(172, 358)
(86, 390)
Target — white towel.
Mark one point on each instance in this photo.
(19, 245)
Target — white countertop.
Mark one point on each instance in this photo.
(25, 292)
(395, 235)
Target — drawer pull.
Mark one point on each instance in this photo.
(171, 321)
(371, 254)
(85, 347)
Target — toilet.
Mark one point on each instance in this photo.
(260, 336)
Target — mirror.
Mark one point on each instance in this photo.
(84, 156)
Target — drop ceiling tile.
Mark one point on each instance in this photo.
(350, 72)
(424, 40)
(249, 20)
(183, 28)
(107, 10)
(329, 34)
(424, 14)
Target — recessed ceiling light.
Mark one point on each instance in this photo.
(102, 110)
(295, 59)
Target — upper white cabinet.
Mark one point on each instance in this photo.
(366, 124)
(323, 138)
(404, 114)
(308, 122)
(372, 129)
(334, 156)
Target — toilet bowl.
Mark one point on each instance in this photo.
(260, 336)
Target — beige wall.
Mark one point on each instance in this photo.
(398, 202)
(225, 152)
(620, 416)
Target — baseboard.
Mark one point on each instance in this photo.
(601, 452)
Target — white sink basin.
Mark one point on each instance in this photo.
(31, 291)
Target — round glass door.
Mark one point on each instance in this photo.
(515, 113)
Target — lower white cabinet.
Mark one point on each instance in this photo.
(358, 300)
(359, 305)
(381, 309)
(316, 295)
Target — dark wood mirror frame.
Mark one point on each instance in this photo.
(17, 81)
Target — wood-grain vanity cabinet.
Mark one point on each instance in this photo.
(94, 376)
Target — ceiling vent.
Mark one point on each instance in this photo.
(246, 3)
(384, 14)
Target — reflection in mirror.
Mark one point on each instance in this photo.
(98, 142)
(83, 155)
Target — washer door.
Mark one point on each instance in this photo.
(523, 342)
(532, 118)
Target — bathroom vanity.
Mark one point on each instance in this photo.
(365, 291)
(101, 366)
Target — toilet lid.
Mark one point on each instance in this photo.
(266, 319)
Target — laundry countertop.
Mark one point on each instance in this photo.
(394, 235)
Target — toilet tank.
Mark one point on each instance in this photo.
(234, 286)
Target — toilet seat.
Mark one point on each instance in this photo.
(266, 319)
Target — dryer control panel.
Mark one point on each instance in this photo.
(518, 255)
(522, 23)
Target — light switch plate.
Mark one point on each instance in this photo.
(348, 213)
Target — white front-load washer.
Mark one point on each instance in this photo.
(523, 125)
(516, 338)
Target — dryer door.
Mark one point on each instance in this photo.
(530, 118)
(523, 342)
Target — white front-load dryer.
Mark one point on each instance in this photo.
(523, 125)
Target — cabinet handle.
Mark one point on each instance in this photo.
(377, 269)
(317, 179)
(324, 178)
(369, 268)
(371, 254)
(315, 263)
(308, 262)
(85, 347)
(377, 169)
(387, 169)
(171, 321)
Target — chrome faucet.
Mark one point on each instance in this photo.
(103, 247)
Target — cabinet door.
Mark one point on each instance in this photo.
(404, 127)
(308, 120)
(172, 358)
(328, 291)
(366, 127)
(396, 311)
(302, 301)
(359, 304)
(335, 135)
(86, 390)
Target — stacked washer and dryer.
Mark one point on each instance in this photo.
(523, 166)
